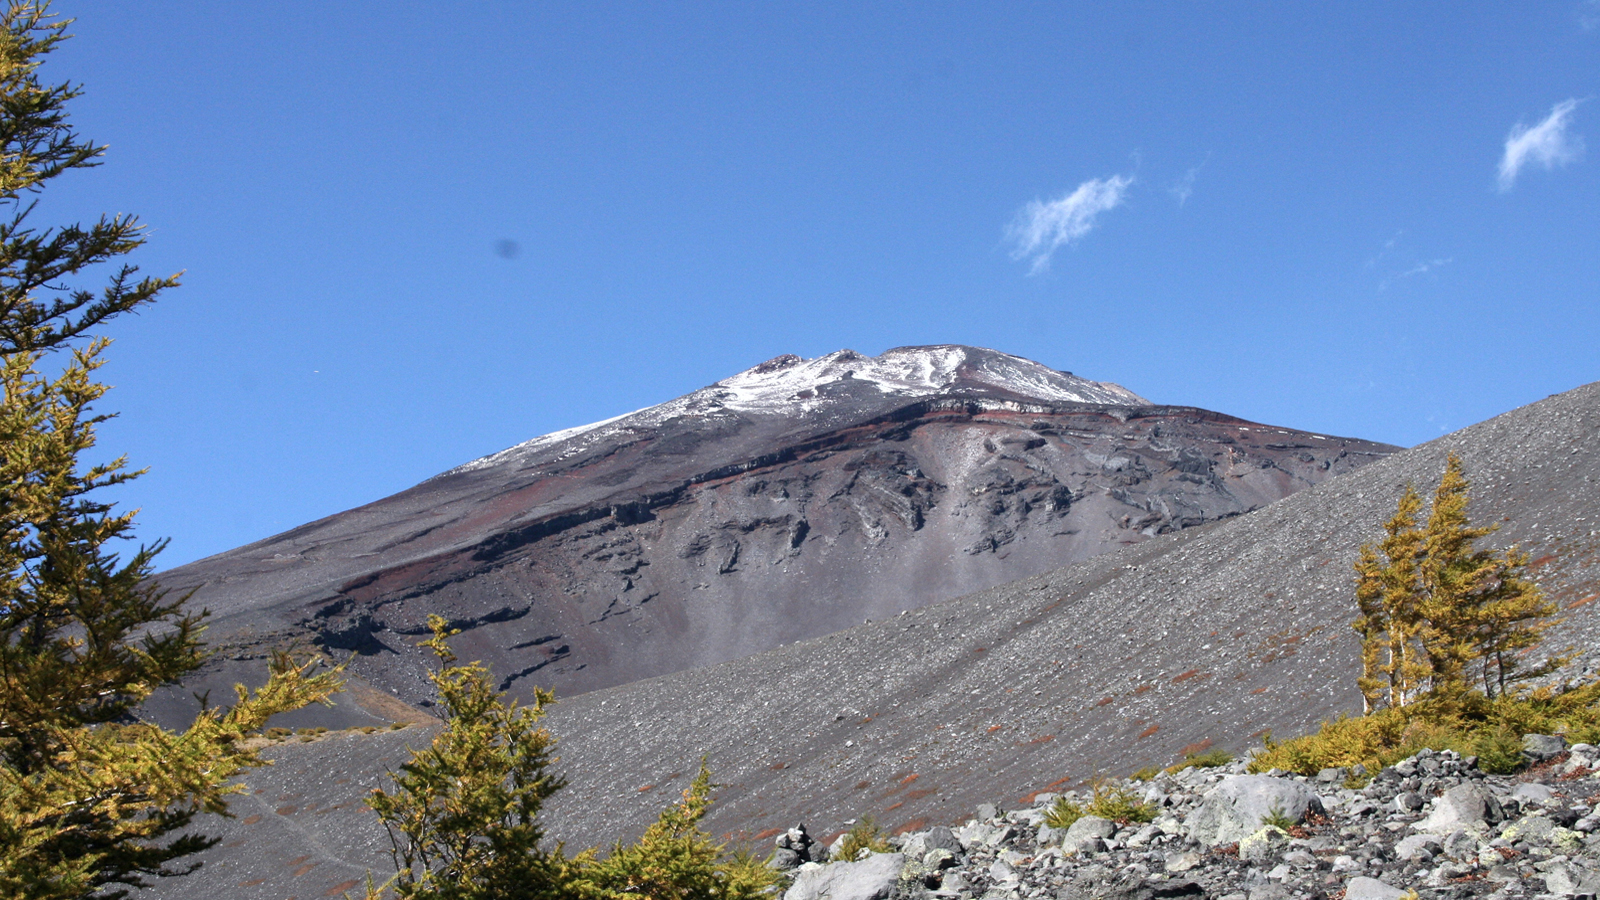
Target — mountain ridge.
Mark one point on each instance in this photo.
(730, 520)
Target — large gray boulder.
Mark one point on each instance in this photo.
(1364, 888)
(1418, 847)
(872, 878)
(1538, 748)
(1238, 806)
(1088, 827)
(1465, 806)
(1570, 880)
(939, 837)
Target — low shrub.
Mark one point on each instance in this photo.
(1491, 730)
(1109, 801)
(864, 836)
(1063, 813)
(1276, 818)
(1119, 804)
(674, 859)
(1210, 759)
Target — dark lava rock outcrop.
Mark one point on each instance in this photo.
(789, 501)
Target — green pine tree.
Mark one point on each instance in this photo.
(673, 860)
(1438, 616)
(463, 814)
(1480, 608)
(89, 799)
(1393, 667)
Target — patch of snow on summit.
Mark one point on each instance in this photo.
(789, 382)
(538, 443)
(791, 386)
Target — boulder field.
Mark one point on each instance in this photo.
(1433, 826)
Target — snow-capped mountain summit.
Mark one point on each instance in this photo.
(790, 500)
(846, 381)
(782, 383)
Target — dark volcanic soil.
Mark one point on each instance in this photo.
(1208, 636)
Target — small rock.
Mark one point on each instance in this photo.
(1300, 859)
(1090, 846)
(999, 835)
(1144, 836)
(940, 837)
(953, 885)
(1089, 827)
(1463, 806)
(1364, 888)
(1529, 828)
(1502, 873)
(1263, 845)
(1533, 792)
(1537, 748)
(1408, 801)
(1417, 846)
(1182, 862)
(1448, 872)
(1561, 879)
(1269, 891)
(1460, 846)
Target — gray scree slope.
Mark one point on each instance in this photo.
(1207, 636)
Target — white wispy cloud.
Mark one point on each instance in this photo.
(1387, 246)
(1183, 188)
(1040, 227)
(1589, 15)
(1421, 268)
(1547, 143)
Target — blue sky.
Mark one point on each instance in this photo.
(413, 234)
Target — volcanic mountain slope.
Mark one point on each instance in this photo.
(789, 501)
(1209, 636)
(1213, 635)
